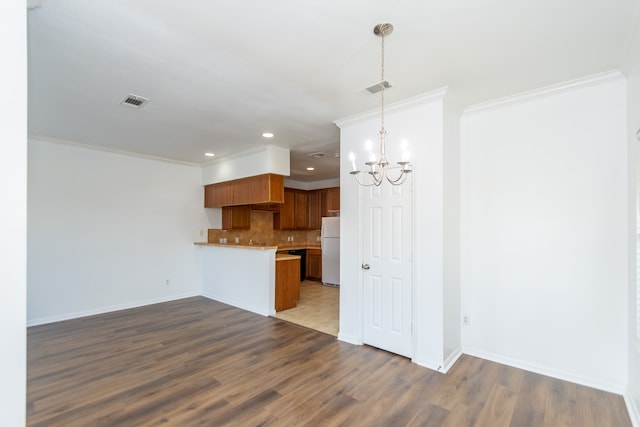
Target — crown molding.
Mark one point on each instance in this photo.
(545, 90)
(434, 95)
(59, 141)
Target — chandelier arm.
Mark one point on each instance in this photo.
(400, 180)
(371, 184)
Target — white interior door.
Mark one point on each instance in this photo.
(387, 267)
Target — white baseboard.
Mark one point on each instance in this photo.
(429, 364)
(351, 339)
(543, 370)
(632, 408)
(102, 310)
(451, 360)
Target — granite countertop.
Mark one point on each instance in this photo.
(298, 246)
(261, 247)
(234, 245)
(287, 257)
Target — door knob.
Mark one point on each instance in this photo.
(365, 266)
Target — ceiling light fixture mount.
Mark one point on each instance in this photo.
(378, 164)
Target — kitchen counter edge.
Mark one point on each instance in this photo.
(233, 245)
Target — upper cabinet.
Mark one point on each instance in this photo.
(303, 210)
(236, 218)
(267, 188)
(333, 200)
(317, 201)
(217, 195)
(293, 213)
(285, 218)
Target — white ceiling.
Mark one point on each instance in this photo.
(221, 72)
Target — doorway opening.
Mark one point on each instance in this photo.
(318, 308)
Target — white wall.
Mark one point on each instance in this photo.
(633, 97)
(421, 121)
(106, 231)
(312, 185)
(544, 247)
(265, 159)
(451, 230)
(13, 224)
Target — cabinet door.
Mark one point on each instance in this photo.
(323, 204)
(254, 189)
(314, 264)
(236, 218)
(218, 195)
(267, 188)
(333, 199)
(287, 284)
(285, 219)
(315, 215)
(301, 210)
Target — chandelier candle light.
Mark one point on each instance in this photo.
(378, 165)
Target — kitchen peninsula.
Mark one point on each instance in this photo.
(251, 277)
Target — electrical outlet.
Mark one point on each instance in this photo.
(466, 320)
(201, 233)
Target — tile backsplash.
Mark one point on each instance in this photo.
(262, 232)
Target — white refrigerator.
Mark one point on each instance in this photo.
(330, 239)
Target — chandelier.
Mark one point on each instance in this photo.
(378, 165)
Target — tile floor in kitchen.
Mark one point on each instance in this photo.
(317, 309)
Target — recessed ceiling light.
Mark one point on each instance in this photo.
(209, 154)
(267, 135)
(311, 169)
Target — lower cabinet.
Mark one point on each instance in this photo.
(287, 283)
(314, 264)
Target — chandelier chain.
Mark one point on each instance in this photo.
(382, 85)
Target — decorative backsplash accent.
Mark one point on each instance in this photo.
(262, 232)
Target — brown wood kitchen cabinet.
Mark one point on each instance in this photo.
(266, 188)
(258, 189)
(287, 283)
(301, 210)
(317, 201)
(333, 200)
(285, 218)
(314, 264)
(236, 218)
(293, 213)
(217, 195)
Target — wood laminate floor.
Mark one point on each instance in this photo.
(199, 362)
(318, 308)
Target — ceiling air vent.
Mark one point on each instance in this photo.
(134, 101)
(318, 155)
(378, 87)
